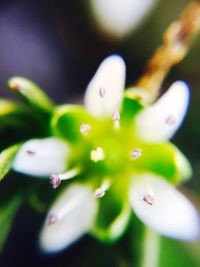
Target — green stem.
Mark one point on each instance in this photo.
(151, 249)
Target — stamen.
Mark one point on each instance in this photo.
(99, 192)
(55, 180)
(102, 92)
(170, 120)
(85, 128)
(30, 152)
(106, 184)
(149, 200)
(136, 153)
(52, 219)
(116, 115)
(70, 174)
(97, 155)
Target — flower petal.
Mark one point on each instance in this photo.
(160, 121)
(118, 18)
(42, 157)
(105, 91)
(163, 208)
(74, 212)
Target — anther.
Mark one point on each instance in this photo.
(149, 200)
(30, 152)
(99, 192)
(102, 92)
(136, 153)
(116, 115)
(170, 120)
(55, 181)
(52, 219)
(85, 128)
(97, 155)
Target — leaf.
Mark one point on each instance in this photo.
(173, 254)
(20, 120)
(31, 94)
(67, 120)
(12, 113)
(8, 107)
(8, 211)
(6, 159)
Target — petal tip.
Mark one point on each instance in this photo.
(109, 79)
(163, 208)
(160, 121)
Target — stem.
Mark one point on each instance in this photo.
(176, 41)
(151, 249)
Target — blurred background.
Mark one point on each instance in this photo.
(59, 45)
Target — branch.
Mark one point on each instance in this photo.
(176, 42)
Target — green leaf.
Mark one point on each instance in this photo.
(14, 113)
(67, 120)
(6, 159)
(31, 94)
(20, 120)
(8, 211)
(8, 107)
(174, 254)
(164, 159)
(113, 215)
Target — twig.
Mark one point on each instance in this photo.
(176, 42)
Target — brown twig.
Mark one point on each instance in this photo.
(176, 42)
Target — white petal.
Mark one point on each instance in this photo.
(119, 17)
(105, 91)
(75, 210)
(168, 212)
(160, 121)
(42, 157)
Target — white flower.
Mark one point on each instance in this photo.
(118, 17)
(172, 215)
(155, 201)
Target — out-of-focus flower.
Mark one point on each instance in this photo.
(117, 148)
(117, 18)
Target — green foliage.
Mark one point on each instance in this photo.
(174, 254)
(6, 159)
(8, 211)
(31, 94)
